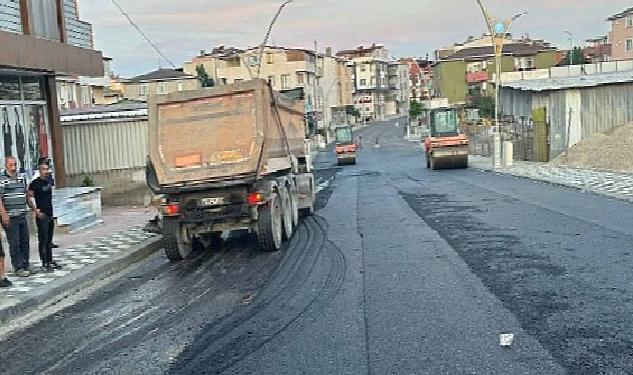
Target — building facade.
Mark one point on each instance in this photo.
(471, 71)
(158, 82)
(621, 35)
(399, 89)
(371, 81)
(597, 50)
(37, 44)
(325, 81)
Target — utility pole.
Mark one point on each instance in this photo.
(315, 85)
(498, 29)
(260, 54)
(571, 47)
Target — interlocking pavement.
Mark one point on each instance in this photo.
(612, 184)
(76, 258)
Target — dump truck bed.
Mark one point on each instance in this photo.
(225, 133)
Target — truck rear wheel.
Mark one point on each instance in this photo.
(286, 208)
(428, 161)
(294, 200)
(269, 226)
(176, 248)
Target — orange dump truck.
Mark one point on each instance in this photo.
(228, 158)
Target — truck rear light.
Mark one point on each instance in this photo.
(256, 199)
(172, 209)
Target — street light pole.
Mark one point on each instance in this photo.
(498, 30)
(270, 28)
(571, 46)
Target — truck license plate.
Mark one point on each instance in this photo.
(212, 201)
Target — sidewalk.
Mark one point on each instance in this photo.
(86, 257)
(612, 184)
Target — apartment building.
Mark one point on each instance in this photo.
(39, 42)
(323, 80)
(621, 35)
(158, 82)
(371, 85)
(471, 71)
(399, 89)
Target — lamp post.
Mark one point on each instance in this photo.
(571, 47)
(498, 29)
(270, 28)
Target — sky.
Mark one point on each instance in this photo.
(181, 28)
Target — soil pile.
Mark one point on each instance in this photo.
(612, 150)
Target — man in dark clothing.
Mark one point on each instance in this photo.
(13, 214)
(42, 190)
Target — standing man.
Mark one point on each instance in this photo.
(42, 190)
(13, 215)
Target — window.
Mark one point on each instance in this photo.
(285, 81)
(43, 19)
(270, 58)
(85, 95)
(363, 82)
(373, 81)
(142, 90)
(363, 67)
(629, 22)
(161, 88)
(180, 88)
(629, 45)
(271, 80)
(300, 78)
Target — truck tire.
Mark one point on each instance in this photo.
(286, 209)
(294, 200)
(176, 249)
(269, 226)
(428, 162)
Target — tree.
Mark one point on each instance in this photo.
(577, 57)
(415, 109)
(352, 111)
(485, 104)
(203, 76)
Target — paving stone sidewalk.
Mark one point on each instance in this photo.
(612, 184)
(77, 257)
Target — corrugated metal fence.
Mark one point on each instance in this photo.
(105, 145)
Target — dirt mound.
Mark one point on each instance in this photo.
(612, 150)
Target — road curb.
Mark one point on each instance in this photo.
(80, 280)
(580, 189)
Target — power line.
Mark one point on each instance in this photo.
(143, 34)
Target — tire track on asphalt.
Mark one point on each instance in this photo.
(119, 330)
(217, 352)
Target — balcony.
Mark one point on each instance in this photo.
(476, 77)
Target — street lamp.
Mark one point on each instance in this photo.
(498, 29)
(571, 46)
(270, 28)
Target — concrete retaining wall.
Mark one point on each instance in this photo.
(122, 187)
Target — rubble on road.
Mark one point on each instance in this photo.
(612, 150)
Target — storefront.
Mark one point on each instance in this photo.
(24, 119)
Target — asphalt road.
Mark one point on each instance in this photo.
(401, 271)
